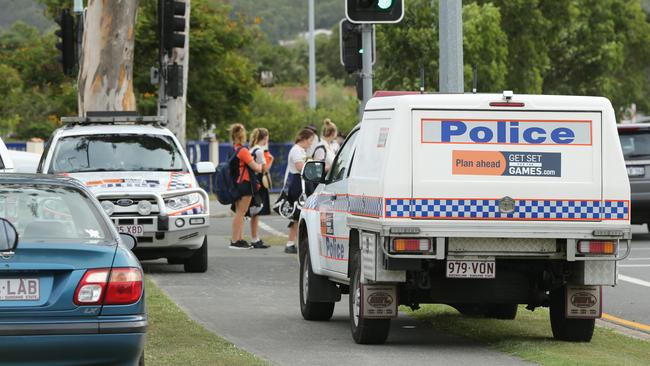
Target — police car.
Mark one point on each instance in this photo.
(481, 202)
(140, 174)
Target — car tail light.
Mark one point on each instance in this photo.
(410, 245)
(119, 286)
(596, 247)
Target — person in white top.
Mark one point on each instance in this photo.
(293, 182)
(325, 150)
(260, 203)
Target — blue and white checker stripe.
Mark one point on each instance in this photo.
(465, 209)
(355, 205)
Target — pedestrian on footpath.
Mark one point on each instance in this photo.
(246, 185)
(293, 181)
(325, 150)
(310, 149)
(260, 204)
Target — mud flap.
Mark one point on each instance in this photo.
(584, 302)
(378, 301)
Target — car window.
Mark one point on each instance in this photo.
(343, 158)
(44, 213)
(46, 150)
(116, 152)
(635, 145)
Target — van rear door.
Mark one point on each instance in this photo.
(506, 165)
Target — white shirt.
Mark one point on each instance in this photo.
(326, 155)
(296, 154)
(259, 154)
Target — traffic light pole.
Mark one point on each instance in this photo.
(366, 72)
(312, 57)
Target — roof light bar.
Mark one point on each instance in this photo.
(115, 118)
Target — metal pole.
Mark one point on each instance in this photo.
(366, 73)
(451, 46)
(312, 58)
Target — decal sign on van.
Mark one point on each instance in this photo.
(507, 132)
(506, 163)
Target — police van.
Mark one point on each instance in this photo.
(139, 172)
(479, 201)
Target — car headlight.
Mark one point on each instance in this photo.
(144, 208)
(181, 202)
(108, 207)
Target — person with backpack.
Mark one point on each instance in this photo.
(293, 181)
(245, 184)
(261, 203)
(326, 149)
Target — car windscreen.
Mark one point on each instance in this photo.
(635, 145)
(47, 213)
(116, 152)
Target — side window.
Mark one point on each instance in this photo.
(343, 158)
(46, 150)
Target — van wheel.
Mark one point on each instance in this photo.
(198, 262)
(364, 331)
(564, 329)
(311, 310)
(141, 361)
(501, 311)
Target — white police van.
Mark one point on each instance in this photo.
(143, 180)
(482, 202)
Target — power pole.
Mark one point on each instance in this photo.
(451, 46)
(106, 62)
(312, 57)
(366, 72)
(176, 107)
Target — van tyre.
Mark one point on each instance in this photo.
(564, 329)
(364, 331)
(311, 310)
(501, 311)
(141, 361)
(198, 262)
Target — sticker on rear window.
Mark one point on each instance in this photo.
(506, 163)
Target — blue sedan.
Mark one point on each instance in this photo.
(71, 291)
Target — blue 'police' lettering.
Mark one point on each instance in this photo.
(504, 132)
(563, 135)
(452, 128)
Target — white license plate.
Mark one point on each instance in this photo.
(635, 171)
(471, 269)
(19, 289)
(134, 230)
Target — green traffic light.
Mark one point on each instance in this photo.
(385, 4)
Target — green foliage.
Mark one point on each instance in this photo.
(26, 11)
(221, 83)
(35, 92)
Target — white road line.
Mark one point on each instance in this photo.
(633, 280)
(635, 249)
(634, 265)
(271, 230)
(638, 259)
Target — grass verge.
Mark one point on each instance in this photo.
(529, 337)
(175, 339)
(274, 240)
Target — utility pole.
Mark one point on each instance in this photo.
(176, 107)
(312, 57)
(366, 72)
(106, 63)
(451, 46)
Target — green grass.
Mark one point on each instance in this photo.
(529, 337)
(175, 339)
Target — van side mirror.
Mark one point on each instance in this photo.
(314, 171)
(204, 167)
(129, 240)
(8, 236)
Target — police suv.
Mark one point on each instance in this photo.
(481, 202)
(140, 174)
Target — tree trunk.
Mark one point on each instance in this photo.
(176, 113)
(106, 61)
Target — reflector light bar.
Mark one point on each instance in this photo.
(400, 245)
(507, 104)
(596, 247)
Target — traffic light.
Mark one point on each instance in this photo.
(66, 43)
(374, 11)
(351, 46)
(171, 18)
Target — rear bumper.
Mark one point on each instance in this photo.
(97, 342)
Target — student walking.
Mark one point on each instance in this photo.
(261, 203)
(246, 185)
(293, 182)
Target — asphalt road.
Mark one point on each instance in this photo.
(250, 297)
(630, 299)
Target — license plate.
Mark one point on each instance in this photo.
(19, 289)
(134, 230)
(471, 268)
(635, 171)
